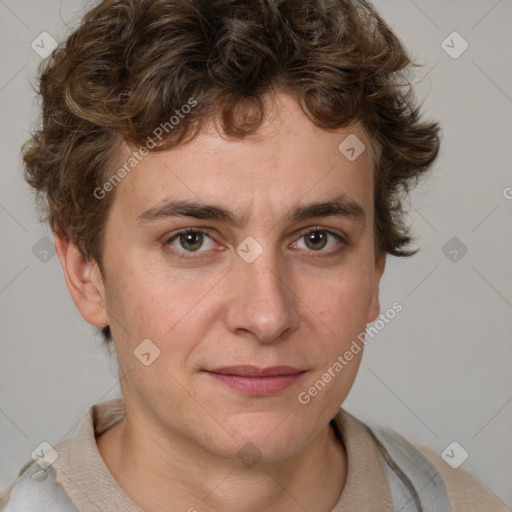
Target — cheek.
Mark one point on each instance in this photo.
(170, 308)
(343, 303)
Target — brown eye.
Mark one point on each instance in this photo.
(320, 240)
(316, 239)
(190, 241)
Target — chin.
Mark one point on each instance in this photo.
(270, 436)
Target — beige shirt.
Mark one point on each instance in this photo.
(88, 482)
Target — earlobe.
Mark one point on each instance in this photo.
(83, 280)
(374, 310)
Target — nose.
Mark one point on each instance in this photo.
(262, 303)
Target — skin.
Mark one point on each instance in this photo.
(296, 304)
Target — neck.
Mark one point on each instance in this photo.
(154, 470)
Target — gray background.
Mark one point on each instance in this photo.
(439, 372)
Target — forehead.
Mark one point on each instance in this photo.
(287, 159)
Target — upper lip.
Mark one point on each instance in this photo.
(254, 371)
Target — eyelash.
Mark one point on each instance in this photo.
(182, 254)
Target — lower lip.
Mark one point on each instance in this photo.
(265, 385)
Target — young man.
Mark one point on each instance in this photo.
(223, 182)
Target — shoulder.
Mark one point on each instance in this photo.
(35, 488)
(465, 492)
(6, 493)
(435, 481)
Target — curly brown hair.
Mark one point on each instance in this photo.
(132, 64)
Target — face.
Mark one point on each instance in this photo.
(250, 265)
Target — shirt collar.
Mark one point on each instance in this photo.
(80, 468)
(366, 486)
(92, 488)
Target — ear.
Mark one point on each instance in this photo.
(374, 310)
(84, 281)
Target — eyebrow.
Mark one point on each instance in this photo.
(340, 206)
